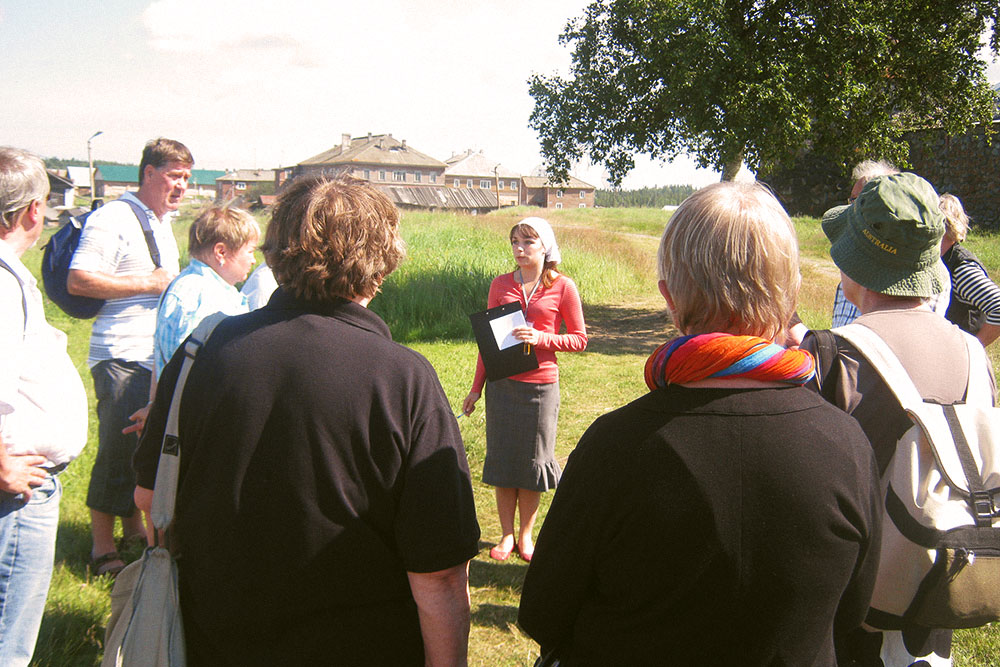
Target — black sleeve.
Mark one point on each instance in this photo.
(147, 455)
(435, 523)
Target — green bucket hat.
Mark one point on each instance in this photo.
(889, 239)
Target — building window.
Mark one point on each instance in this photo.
(582, 206)
(581, 194)
(434, 178)
(457, 183)
(484, 184)
(381, 175)
(513, 185)
(499, 185)
(559, 193)
(241, 186)
(368, 174)
(399, 176)
(416, 177)
(469, 184)
(558, 204)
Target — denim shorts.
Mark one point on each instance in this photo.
(121, 387)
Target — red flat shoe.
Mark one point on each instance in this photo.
(526, 557)
(496, 553)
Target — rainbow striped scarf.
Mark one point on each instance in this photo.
(725, 356)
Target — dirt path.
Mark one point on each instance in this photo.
(633, 328)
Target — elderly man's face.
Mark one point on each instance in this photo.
(166, 185)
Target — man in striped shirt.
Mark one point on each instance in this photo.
(113, 262)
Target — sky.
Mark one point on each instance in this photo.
(259, 83)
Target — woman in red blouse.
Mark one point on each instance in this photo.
(522, 410)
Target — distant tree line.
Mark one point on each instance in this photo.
(644, 197)
(62, 163)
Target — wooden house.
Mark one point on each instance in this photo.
(409, 178)
(474, 171)
(541, 191)
(240, 182)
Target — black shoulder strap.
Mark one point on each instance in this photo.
(24, 298)
(980, 500)
(826, 354)
(147, 231)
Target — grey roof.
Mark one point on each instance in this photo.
(439, 197)
(252, 175)
(544, 182)
(55, 179)
(379, 149)
(470, 163)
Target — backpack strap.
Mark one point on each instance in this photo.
(168, 469)
(888, 366)
(24, 297)
(980, 500)
(147, 230)
(941, 426)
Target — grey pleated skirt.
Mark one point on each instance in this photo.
(521, 422)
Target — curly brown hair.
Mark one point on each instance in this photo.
(333, 237)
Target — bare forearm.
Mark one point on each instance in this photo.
(988, 333)
(443, 606)
(143, 498)
(104, 286)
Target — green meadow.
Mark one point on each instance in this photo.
(452, 258)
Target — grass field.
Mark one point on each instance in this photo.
(452, 258)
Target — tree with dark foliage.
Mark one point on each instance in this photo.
(762, 80)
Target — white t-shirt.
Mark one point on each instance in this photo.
(259, 287)
(113, 243)
(43, 406)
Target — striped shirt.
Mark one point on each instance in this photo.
(112, 243)
(972, 286)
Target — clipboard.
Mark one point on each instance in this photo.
(501, 357)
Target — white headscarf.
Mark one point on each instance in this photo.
(546, 236)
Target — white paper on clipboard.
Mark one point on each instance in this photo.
(503, 326)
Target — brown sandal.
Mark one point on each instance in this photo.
(102, 565)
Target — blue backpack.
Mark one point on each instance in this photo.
(58, 253)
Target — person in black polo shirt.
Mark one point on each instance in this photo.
(325, 512)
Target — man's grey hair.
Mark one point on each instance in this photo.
(870, 169)
(23, 179)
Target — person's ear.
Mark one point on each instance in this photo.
(221, 252)
(662, 284)
(38, 210)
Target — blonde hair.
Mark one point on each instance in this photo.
(232, 227)
(956, 221)
(730, 260)
(333, 238)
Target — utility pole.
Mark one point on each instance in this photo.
(496, 183)
(90, 167)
